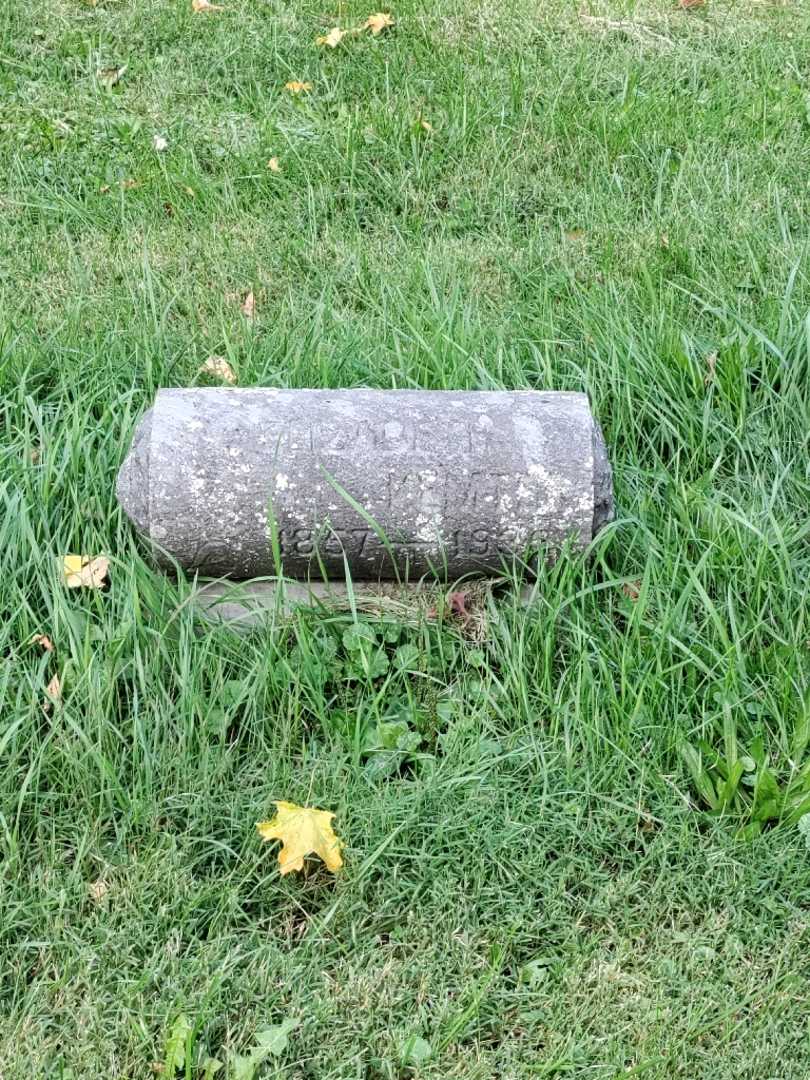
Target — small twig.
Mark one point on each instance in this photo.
(627, 26)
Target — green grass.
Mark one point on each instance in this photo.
(538, 892)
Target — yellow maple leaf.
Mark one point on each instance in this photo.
(82, 571)
(332, 39)
(297, 87)
(302, 831)
(219, 368)
(379, 22)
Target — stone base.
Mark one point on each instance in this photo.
(246, 605)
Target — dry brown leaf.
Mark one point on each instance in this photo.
(273, 165)
(98, 890)
(664, 241)
(80, 571)
(379, 22)
(205, 5)
(457, 605)
(35, 455)
(219, 367)
(684, 5)
(104, 189)
(425, 125)
(296, 87)
(249, 306)
(711, 364)
(129, 184)
(54, 693)
(575, 234)
(332, 39)
(43, 640)
(111, 75)
(632, 590)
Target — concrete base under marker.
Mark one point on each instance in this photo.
(245, 605)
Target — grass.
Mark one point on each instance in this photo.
(620, 208)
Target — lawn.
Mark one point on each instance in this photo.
(520, 195)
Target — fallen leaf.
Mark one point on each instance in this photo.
(425, 125)
(575, 234)
(379, 22)
(711, 364)
(296, 87)
(160, 142)
(98, 890)
(665, 241)
(43, 640)
(416, 1052)
(274, 1040)
(249, 305)
(302, 831)
(632, 590)
(54, 693)
(111, 75)
(205, 5)
(81, 571)
(35, 455)
(332, 39)
(273, 165)
(190, 192)
(457, 605)
(219, 367)
(129, 184)
(104, 189)
(686, 4)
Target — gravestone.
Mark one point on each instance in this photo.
(382, 483)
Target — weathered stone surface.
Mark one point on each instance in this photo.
(406, 482)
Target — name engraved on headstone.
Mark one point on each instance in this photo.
(477, 490)
(386, 437)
